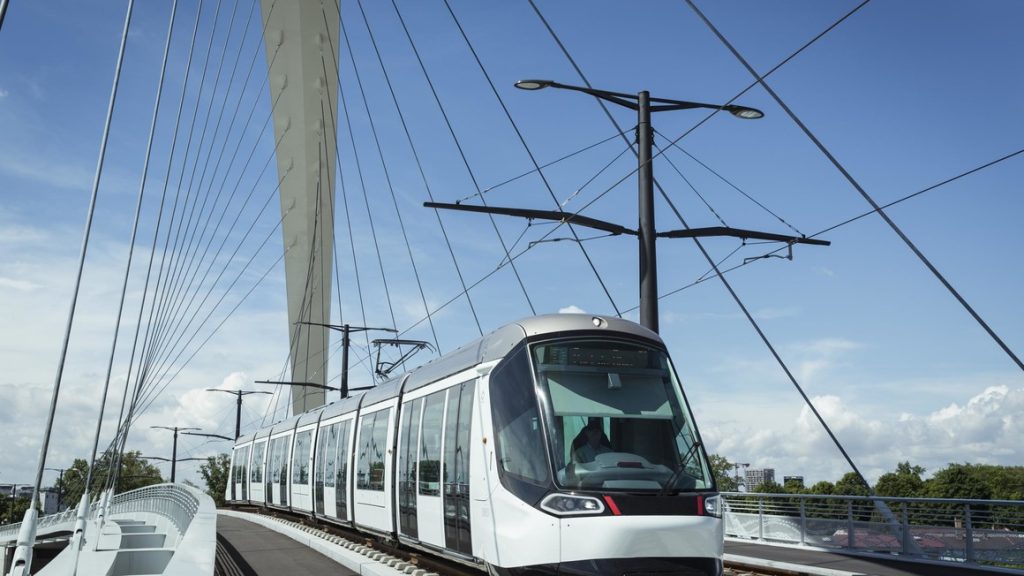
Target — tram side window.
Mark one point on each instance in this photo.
(430, 445)
(275, 460)
(330, 454)
(519, 437)
(241, 460)
(373, 433)
(256, 473)
(282, 459)
(380, 450)
(300, 458)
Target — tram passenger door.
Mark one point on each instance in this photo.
(429, 511)
(256, 491)
(300, 469)
(456, 470)
(342, 489)
(326, 460)
(243, 474)
(373, 453)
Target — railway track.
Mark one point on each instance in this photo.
(433, 565)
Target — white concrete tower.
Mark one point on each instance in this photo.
(303, 83)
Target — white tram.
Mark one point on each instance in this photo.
(559, 444)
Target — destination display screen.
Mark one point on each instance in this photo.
(595, 354)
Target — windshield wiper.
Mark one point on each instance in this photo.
(682, 467)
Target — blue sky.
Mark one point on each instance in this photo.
(904, 94)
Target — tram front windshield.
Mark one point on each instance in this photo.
(616, 418)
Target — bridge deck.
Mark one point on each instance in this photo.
(840, 563)
(256, 551)
(260, 551)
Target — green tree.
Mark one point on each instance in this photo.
(904, 482)
(135, 473)
(723, 469)
(959, 481)
(851, 485)
(825, 508)
(215, 472)
(823, 488)
(13, 509)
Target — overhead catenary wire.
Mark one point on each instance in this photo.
(853, 219)
(691, 186)
(717, 174)
(860, 189)
(522, 175)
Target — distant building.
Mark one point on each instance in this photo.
(47, 496)
(795, 481)
(758, 476)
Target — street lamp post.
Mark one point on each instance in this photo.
(174, 450)
(238, 411)
(641, 102)
(644, 104)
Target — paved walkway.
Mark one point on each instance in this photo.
(833, 563)
(259, 551)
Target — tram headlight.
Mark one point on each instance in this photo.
(571, 505)
(713, 506)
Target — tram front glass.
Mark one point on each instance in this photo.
(616, 418)
(596, 432)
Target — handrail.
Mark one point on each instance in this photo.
(978, 532)
(177, 502)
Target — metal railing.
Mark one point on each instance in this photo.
(983, 532)
(49, 523)
(176, 502)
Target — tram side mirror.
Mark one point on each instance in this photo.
(614, 381)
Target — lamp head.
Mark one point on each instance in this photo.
(744, 112)
(533, 84)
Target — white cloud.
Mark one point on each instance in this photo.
(775, 313)
(3, 93)
(987, 428)
(19, 285)
(571, 309)
(34, 293)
